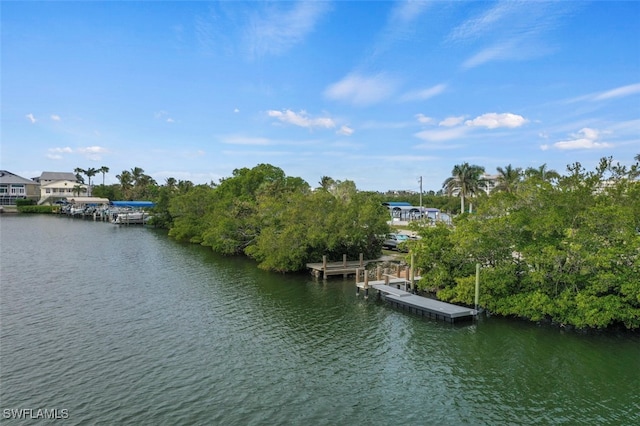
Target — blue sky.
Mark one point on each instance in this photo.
(378, 92)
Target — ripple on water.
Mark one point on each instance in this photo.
(124, 326)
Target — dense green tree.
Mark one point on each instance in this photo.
(568, 253)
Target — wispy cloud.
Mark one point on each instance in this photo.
(494, 120)
(511, 30)
(362, 90)
(585, 138)
(245, 140)
(424, 94)
(442, 135)
(424, 119)
(93, 153)
(619, 92)
(274, 30)
(301, 119)
(31, 118)
(55, 117)
(345, 131)
(451, 121)
(164, 116)
(401, 24)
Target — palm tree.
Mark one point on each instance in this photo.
(170, 183)
(103, 170)
(79, 172)
(508, 179)
(77, 189)
(136, 174)
(637, 157)
(542, 173)
(126, 182)
(90, 172)
(465, 181)
(326, 182)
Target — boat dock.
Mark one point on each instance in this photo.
(397, 292)
(343, 268)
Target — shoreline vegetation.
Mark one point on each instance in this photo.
(558, 249)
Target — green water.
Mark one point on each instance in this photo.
(121, 325)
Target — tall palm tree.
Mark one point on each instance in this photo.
(637, 157)
(542, 173)
(137, 175)
(103, 170)
(90, 172)
(465, 181)
(508, 179)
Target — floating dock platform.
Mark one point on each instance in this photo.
(396, 292)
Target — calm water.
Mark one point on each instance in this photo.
(121, 325)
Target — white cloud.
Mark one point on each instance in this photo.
(92, 152)
(421, 95)
(586, 138)
(361, 90)
(57, 153)
(442, 135)
(346, 131)
(424, 119)
(164, 116)
(55, 117)
(451, 121)
(236, 110)
(31, 118)
(619, 92)
(494, 120)
(301, 119)
(244, 140)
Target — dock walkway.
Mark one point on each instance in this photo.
(343, 268)
(391, 289)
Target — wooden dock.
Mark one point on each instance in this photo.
(397, 292)
(344, 268)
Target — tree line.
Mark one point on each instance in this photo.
(562, 248)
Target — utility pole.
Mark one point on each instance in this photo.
(420, 195)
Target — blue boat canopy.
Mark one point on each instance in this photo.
(133, 204)
(396, 204)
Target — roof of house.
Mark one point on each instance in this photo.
(65, 182)
(11, 178)
(50, 176)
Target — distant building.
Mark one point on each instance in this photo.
(490, 182)
(51, 192)
(403, 211)
(13, 187)
(48, 177)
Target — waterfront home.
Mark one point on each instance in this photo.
(53, 191)
(13, 187)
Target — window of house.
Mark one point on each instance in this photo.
(17, 189)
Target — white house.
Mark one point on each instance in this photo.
(59, 189)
